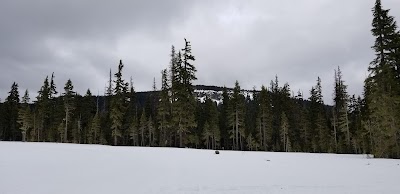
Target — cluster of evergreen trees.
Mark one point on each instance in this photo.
(272, 119)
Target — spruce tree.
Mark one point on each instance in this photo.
(321, 135)
(25, 117)
(264, 118)
(131, 116)
(382, 85)
(11, 104)
(134, 132)
(236, 117)
(207, 134)
(163, 111)
(143, 128)
(69, 106)
(118, 104)
(151, 130)
(43, 111)
(340, 113)
(183, 100)
(223, 119)
(285, 133)
(94, 134)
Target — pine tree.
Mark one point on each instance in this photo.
(131, 117)
(118, 104)
(251, 143)
(134, 132)
(163, 111)
(211, 129)
(25, 119)
(340, 116)
(285, 133)
(54, 110)
(95, 129)
(43, 111)
(321, 135)
(183, 100)
(143, 128)
(88, 108)
(264, 118)
(236, 116)
(53, 88)
(207, 135)
(382, 85)
(151, 130)
(223, 119)
(69, 106)
(11, 104)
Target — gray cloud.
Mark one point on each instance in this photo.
(249, 41)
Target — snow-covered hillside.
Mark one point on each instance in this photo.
(48, 168)
(216, 95)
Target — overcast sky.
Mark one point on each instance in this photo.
(248, 41)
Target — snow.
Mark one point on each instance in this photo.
(216, 96)
(47, 168)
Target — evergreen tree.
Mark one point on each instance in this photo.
(183, 103)
(163, 111)
(340, 116)
(88, 110)
(143, 128)
(118, 104)
(321, 135)
(131, 116)
(55, 110)
(95, 128)
(2, 120)
(223, 119)
(251, 143)
(382, 85)
(25, 118)
(211, 128)
(207, 135)
(43, 111)
(69, 106)
(11, 104)
(236, 117)
(133, 132)
(264, 118)
(151, 130)
(285, 133)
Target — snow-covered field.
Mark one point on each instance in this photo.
(50, 168)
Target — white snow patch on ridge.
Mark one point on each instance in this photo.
(48, 168)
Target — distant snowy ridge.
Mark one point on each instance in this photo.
(216, 95)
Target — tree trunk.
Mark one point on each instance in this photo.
(149, 138)
(115, 137)
(180, 138)
(334, 128)
(237, 129)
(66, 124)
(261, 133)
(23, 136)
(348, 130)
(264, 135)
(142, 137)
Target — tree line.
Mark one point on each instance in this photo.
(270, 119)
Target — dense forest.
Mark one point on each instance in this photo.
(271, 119)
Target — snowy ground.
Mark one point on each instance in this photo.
(49, 168)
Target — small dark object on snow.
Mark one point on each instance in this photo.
(216, 152)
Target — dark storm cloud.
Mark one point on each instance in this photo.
(249, 41)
